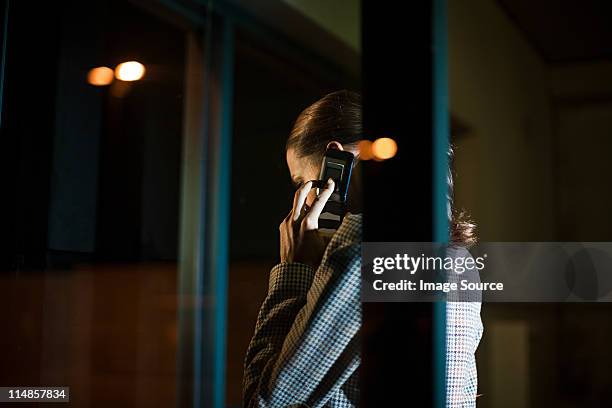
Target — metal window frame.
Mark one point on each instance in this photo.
(204, 255)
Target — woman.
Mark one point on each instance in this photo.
(305, 349)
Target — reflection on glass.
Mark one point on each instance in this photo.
(384, 148)
(100, 76)
(130, 71)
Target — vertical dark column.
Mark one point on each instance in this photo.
(29, 68)
(78, 120)
(4, 13)
(7, 242)
(397, 89)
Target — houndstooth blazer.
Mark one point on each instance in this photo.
(305, 350)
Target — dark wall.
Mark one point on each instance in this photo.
(77, 131)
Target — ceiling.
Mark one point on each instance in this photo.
(565, 31)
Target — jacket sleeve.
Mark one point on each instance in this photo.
(289, 283)
(463, 333)
(305, 345)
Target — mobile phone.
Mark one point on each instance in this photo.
(337, 165)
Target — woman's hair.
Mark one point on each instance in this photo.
(462, 228)
(337, 117)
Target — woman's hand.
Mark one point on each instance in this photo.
(299, 238)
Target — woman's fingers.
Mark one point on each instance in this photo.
(311, 221)
(299, 199)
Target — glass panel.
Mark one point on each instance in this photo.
(111, 113)
(90, 238)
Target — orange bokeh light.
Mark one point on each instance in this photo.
(100, 76)
(384, 148)
(365, 150)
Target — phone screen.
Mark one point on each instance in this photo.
(337, 165)
(334, 171)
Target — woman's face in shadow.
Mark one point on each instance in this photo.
(302, 170)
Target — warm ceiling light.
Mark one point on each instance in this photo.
(100, 76)
(384, 148)
(129, 71)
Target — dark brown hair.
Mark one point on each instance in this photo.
(462, 228)
(337, 116)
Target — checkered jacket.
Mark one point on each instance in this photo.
(305, 350)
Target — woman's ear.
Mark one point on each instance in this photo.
(350, 148)
(335, 145)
